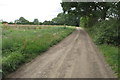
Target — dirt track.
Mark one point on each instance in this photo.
(74, 57)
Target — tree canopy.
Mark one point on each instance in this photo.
(95, 11)
(66, 19)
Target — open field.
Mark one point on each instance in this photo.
(20, 44)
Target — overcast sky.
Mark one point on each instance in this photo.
(11, 10)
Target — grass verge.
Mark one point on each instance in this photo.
(110, 53)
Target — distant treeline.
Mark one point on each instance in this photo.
(24, 21)
(61, 19)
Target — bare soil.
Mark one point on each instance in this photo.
(74, 57)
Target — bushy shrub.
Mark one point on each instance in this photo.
(83, 21)
(106, 32)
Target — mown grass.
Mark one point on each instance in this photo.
(21, 44)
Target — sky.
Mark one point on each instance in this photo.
(11, 10)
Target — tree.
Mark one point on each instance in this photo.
(11, 22)
(65, 19)
(16, 21)
(22, 20)
(36, 22)
(79, 9)
(47, 23)
(94, 11)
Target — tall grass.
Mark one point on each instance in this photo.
(21, 44)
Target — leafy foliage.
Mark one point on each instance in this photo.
(83, 22)
(93, 11)
(22, 20)
(66, 19)
(36, 21)
(105, 35)
(48, 23)
(107, 32)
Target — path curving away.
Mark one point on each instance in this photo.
(74, 57)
